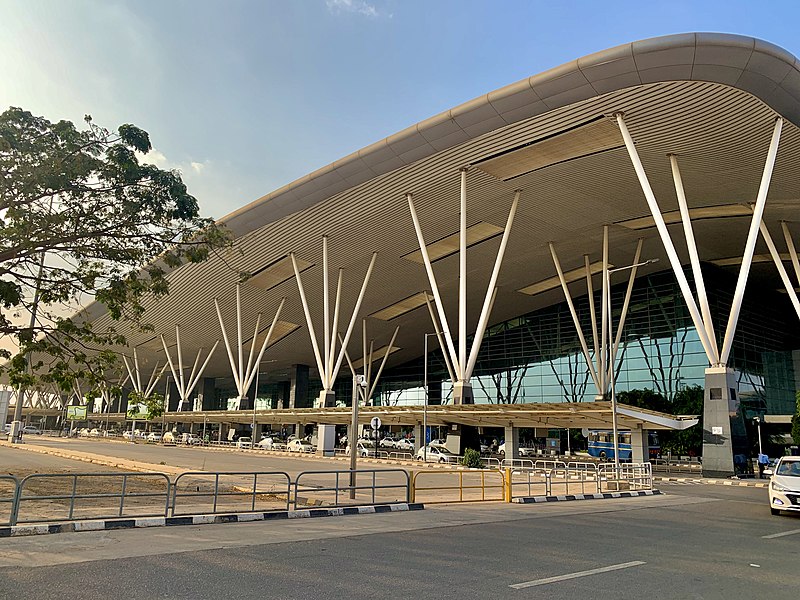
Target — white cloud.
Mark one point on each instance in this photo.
(154, 157)
(352, 6)
(198, 167)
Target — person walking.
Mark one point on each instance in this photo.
(763, 461)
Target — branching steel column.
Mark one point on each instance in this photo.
(491, 289)
(792, 250)
(625, 304)
(666, 240)
(575, 319)
(776, 258)
(310, 323)
(604, 350)
(438, 331)
(437, 299)
(694, 258)
(462, 281)
(332, 375)
(592, 312)
(752, 237)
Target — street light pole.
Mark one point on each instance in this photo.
(611, 356)
(758, 425)
(425, 405)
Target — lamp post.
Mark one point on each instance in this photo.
(611, 357)
(425, 405)
(758, 426)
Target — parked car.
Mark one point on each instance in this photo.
(30, 429)
(784, 485)
(365, 448)
(404, 445)
(435, 454)
(266, 443)
(441, 442)
(300, 446)
(95, 433)
(244, 443)
(154, 436)
(190, 439)
(387, 442)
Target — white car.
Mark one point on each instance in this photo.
(365, 448)
(387, 442)
(154, 436)
(404, 445)
(244, 443)
(441, 442)
(436, 454)
(784, 485)
(299, 446)
(520, 450)
(28, 429)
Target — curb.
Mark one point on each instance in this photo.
(570, 497)
(728, 482)
(140, 522)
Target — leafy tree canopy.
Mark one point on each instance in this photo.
(687, 401)
(82, 217)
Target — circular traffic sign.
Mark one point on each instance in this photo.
(375, 422)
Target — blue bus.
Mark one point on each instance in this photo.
(601, 444)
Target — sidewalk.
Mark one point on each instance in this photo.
(754, 483)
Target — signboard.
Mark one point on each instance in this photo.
(77, 413)
(716, 430)
(375, 423)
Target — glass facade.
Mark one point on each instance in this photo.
(537, 357)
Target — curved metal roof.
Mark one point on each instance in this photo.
(710, 98)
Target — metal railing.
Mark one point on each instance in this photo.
(133, 496)
(8, 498)
(459, 486)
(625, 476)
(342, 484)
(259, 490)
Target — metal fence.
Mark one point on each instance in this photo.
(230, 491)
(79, 496)
(51, 497)
(458, 486)
(351, 488)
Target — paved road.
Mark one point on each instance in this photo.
(696, 542)
(16, 462)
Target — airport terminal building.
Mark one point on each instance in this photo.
(627, 220)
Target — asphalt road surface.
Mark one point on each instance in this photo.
(697, 541)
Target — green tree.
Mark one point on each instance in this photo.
(81, 218)
(796, 421)
(153, 405)
(687, 401)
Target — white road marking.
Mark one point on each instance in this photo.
(527, 584)
(777, 535)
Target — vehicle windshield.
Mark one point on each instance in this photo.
(789, 468)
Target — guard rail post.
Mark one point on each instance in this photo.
(412, 491)
(507, 485)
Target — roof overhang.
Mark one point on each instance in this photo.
(710, 98)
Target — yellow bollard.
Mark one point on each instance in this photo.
(411, 490)
(507, 484)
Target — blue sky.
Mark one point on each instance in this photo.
(245, 96)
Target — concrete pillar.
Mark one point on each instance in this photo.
(512, 441)
(298, 386)
(462, 393)
(721, 404)
(219, 432)
(640, 450)
(256, 434)
(419, 437)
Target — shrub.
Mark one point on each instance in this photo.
(472, 458)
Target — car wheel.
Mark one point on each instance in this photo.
(441, 460)
(502, 452)
(603, 455)
(774, 511)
